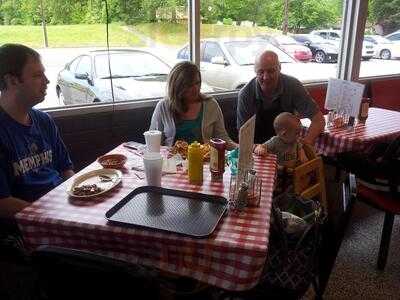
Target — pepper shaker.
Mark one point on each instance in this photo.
(242, 196)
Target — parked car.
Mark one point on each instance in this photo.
(322, 50)
(228, 63)
(135, 74)
(384, 48)
(290, 46)
(394, 37)
(368, 49)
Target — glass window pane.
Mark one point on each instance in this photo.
(244, 30)
(382, 41)
(211, 50)
(84, 66)
(77, 29)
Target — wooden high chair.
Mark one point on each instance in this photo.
(309, 181)
(309, 178)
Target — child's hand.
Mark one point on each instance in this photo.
(261, 149)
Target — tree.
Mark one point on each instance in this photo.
(310, 14)
(10, 12)
(303, 14)
(385, 13)
(210, 10)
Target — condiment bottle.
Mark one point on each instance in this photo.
(217, 158)
(195, 161)
(242, 196)
(364, 107)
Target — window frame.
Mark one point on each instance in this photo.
(354, 12)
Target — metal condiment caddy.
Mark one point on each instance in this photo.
(244, 191)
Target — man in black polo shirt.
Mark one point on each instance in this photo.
(271, 93)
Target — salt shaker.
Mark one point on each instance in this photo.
(251, 176)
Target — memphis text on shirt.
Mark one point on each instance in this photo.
(27, 164)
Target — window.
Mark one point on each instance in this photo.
(84, 66)
(184, 53)
(231, 35)
(381, 47)
(76, 31)
(324, 35)
(73, 64)
(334, 35)
(394, 37)
(212, 50)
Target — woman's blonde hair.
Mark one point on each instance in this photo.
(180, 78)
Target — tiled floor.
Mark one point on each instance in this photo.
(354, 275)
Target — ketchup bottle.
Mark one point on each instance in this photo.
(217, 158)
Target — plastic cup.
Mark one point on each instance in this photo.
(153, 140)
(153, 168)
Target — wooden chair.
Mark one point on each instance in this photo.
(309, 181)
(309, 151)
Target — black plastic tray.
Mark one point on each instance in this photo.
(176, 211)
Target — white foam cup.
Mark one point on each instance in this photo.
(153, 167)
(153, 140)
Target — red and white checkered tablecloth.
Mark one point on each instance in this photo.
(381, 125)
(231, 258)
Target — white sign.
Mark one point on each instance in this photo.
(246, 142)
(344, 97)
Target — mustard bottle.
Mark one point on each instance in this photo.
(195, 160)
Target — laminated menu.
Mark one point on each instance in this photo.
(246, 142)
(344, 97)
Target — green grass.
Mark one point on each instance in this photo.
(81, 35)
(177, 34)
(90, 35)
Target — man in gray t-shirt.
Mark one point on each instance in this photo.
(271, 93)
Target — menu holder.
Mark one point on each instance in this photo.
(343, 99)
(252, 195)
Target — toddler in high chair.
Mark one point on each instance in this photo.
(286, 146)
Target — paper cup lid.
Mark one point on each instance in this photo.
(152, 132)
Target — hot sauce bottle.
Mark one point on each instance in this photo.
(217, 158)
(364, 107)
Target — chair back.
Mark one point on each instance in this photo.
(309, 181)
(309, 151)
(74, 274)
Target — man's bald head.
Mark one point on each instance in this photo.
(268, 70)
(266, 58)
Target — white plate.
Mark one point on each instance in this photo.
(94, 177)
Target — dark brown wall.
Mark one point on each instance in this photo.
(91, 135)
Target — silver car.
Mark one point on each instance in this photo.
(135, 74)
(368, 48)
(228, 63)
(384, 48)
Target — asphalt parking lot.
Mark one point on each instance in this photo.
(54, 60)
